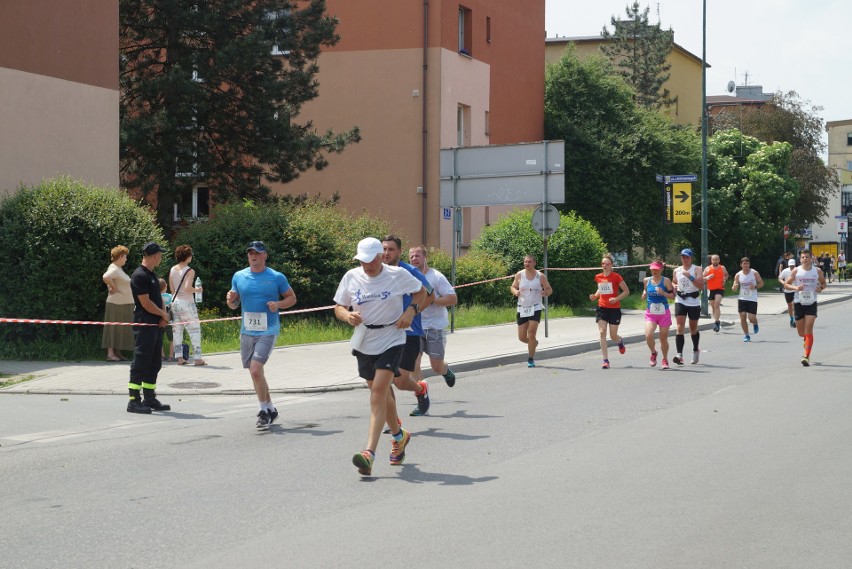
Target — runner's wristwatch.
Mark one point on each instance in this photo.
(416, 307)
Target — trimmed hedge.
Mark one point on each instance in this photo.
(311, 243)
(473, 267)
(56, 239)
(575, 244)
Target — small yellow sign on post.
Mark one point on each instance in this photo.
(681, 202)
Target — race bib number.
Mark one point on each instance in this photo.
(807, 297)
(748, 293)
(684, 283)
(526, 311)
(657, 308)
(605, 288)
(255, 321)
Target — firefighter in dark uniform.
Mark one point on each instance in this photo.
(148, 309)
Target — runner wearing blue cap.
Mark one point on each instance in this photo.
(688, 280)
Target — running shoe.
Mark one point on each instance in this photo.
(716, 327)
(621, 348)
(806, 361)
(263, 421)
(695, 356)
(665, 364)
(653, 359)
(605, 364)
(756, 328)
(423, 398)
(364, 461)
(450, 377)
(746, 338)
(273, 415)
(397, 455)
(678, 359)
(530, 362)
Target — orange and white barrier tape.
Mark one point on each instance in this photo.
(283, 313)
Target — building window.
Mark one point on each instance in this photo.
(849, 165)
(849, 139)
(463, 126)
(465, 22)
(488, 29)
(193, 207)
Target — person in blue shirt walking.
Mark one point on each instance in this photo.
(262, 292)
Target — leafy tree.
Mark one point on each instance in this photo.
(613, 151)
(750, 193)
(787, 118)
(640, 51)
(211, 92)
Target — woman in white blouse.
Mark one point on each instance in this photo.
(119, 307)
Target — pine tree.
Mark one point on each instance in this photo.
(211, 91)
(640, 51)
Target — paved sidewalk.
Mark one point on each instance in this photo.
(330, 366)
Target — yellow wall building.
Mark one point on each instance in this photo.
(684, 82)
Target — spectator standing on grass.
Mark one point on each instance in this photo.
(119, 306)
(181, 281)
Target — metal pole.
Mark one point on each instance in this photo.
(544, 206)
(704, 246)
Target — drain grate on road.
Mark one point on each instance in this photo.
(194, 385)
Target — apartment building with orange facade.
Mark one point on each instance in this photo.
(416, 77)
(58, 92)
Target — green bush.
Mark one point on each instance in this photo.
(575, 244)
(56, 239)
(473, 267)
(312, 243)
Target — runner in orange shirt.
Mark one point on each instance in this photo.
(715, 276)
(608, 312)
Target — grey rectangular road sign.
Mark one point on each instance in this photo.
(503, 174)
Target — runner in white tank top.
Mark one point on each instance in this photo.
(530, 287)
(747, 281)
(806, 280)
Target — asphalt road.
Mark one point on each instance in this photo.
(742, 461)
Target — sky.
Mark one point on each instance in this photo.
(783, 45)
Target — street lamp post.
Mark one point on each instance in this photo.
(704, 246)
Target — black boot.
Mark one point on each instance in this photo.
(136, 406)
(150, 401)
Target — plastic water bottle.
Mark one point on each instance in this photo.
(198, 295)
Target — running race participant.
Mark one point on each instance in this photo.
(657, 290)
(688, 280)
(370, 299)
(435, 319)
(530, 287)
(806, 281)
(392, 246)
(748, 281)
(715, 277)
(788, 295)
(608, 311)
(262, 292)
